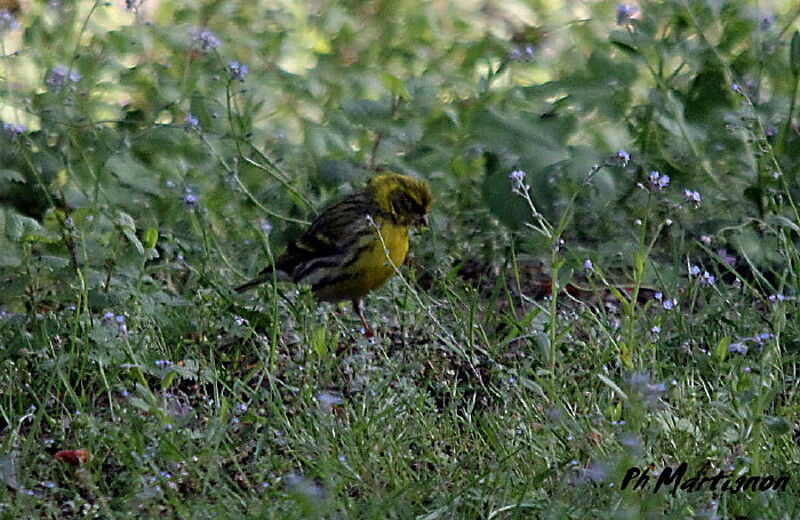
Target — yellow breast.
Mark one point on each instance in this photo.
(372, 268)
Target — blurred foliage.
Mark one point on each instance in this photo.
(148, 114)
(155, 154)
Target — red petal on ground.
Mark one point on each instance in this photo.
(73, 457)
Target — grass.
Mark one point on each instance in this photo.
(551, 331)
(452, 410)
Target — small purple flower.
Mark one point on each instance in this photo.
(108, 316)
(623, 157)
(670, 304)
(705, 239)
(266, 226)
(14, 130)
(746, 370)
(776, 297)
(726, 257)
(517, 176)
(657, 181)
(694, 270)
(766, 21)
(518, 53)
(238, 71)
(587, 264)
(59, 76)
(203, 39)
(7, 21)
(707, 279)
(190, 199)
(658, 296)
(625, 13)
(737, 88)
(692, 198)
(656, 330)
(163, 362)
(190, 123)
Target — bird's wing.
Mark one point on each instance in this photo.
(329, 238)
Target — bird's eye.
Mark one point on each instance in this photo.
(401, 203)
(404, 205)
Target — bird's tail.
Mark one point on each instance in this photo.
(264, 276)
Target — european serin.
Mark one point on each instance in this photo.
(342, 255)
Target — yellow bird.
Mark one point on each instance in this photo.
(342, 254)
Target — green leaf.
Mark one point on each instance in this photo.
(776, 425)
(707, 94)
(9, 256)
(54, 262)
(127, 226)
(394, 85)
(721, 349)
(613, 386)
(150, 238)
(319, 341)
(12, 175)
(167, 381)
(132, 172)
(134, 240)
(783, 222)
(18, 226)
(624, 41)
(794, 54)
(124, 220)
(366, 112)
(333, 173)
(755, 195)
(8, 469)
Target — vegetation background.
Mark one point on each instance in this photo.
(610, 279)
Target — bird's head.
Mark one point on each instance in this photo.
(406, 199)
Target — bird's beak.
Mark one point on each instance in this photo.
(422, 220)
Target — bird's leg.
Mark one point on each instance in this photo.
(359, 308)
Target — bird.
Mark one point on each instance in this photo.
(356, 245)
